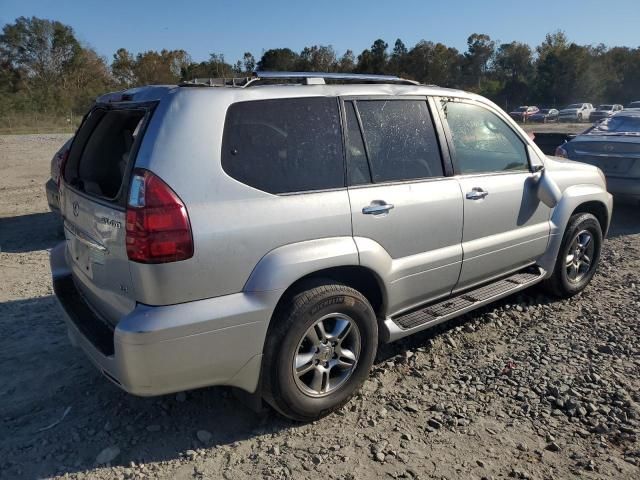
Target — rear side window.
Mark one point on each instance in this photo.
(100, 154)
(284, 145)
(401, 140)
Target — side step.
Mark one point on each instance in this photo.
(455, 306)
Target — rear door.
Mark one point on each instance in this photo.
(506, 227)
(406, 212)
(96, 177)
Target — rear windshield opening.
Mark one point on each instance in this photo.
(99, 159)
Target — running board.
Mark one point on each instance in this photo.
(452, 307)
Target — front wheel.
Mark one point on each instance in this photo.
(578, 256)
(319, 351)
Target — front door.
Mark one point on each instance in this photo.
(506, 227)
(406, 213)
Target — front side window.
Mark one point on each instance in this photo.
(482, 141)
(401, 140)
(284, 145)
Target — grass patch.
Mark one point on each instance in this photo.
(23, 123)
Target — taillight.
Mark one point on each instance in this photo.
(561, 152)
(158, 227)
(62, 164)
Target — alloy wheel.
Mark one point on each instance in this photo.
(327, 355)
(579, 258)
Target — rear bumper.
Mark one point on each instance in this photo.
(53, 197)
(159, 350)
(624, 187)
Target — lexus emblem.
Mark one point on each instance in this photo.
(608, 148)
(76, 209)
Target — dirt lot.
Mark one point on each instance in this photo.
(531, 387)
(555, 127)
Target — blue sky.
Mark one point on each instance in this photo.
(233, 27)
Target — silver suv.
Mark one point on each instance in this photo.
(268, 233)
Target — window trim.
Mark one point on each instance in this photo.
(295, 192)
(445, 158)
(449, 138)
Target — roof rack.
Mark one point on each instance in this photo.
(217, 82)
(306, 78)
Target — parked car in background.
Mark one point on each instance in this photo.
(523, 113)
(576, 112)
(605, 111)
(635, 105)
(613, 145)
(213, 238)
(545, 115)
(51, 187)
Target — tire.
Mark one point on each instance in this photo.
(570, 278)
(579, 118)
(296, 339)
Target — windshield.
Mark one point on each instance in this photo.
(634, 105)
(545, 110)
(575, 105)
(605, 107)
(617, 125)
(521, 109)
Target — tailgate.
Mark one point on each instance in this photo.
(96, 252)
(93, 199)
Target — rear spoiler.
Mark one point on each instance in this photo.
(145, 94)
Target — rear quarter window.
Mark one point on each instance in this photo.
(284, 145)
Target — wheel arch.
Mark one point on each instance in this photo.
(358, 277)
(575, 199)
(299, 266)
(598, 209)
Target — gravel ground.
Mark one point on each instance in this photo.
(530, 387)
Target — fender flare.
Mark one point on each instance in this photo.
(283, 266)
(572, 198)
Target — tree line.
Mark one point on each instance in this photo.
(44, 68)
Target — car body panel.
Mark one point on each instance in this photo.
(617, 154)
(94, 233)
(51, 186)
(429, 213)
(506, 230)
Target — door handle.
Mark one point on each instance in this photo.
(377, 207)
(476, 193)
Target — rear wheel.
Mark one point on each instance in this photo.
(578, 256)
(319, 351)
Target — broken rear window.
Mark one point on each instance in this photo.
(99, 158)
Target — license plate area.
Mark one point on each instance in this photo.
(83, 254)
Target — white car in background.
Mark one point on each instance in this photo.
(576, 112)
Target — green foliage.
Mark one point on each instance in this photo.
(278, 59)
(46, 70)
(375, 59)
(48, 76)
